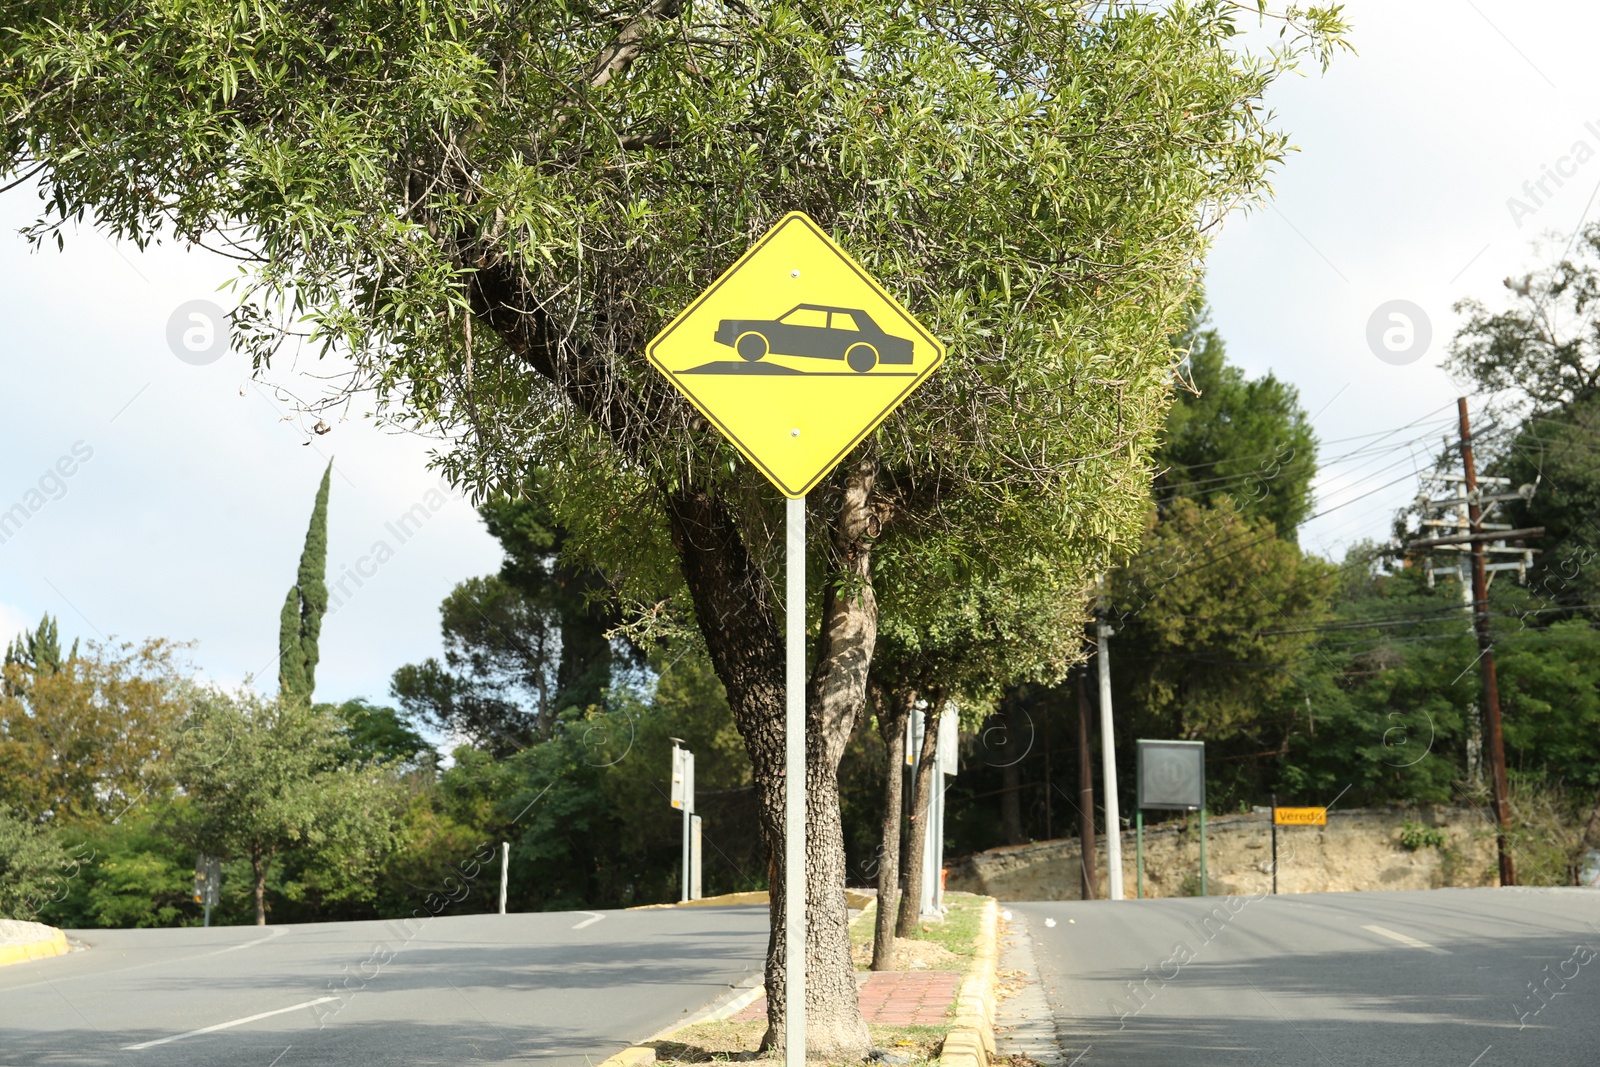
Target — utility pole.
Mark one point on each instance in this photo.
(1491, 684)
(1463, 529)
(1108, 759)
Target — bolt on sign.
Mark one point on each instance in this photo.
(1300, 816)
(796, 353)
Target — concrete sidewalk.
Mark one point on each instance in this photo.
(893, 998)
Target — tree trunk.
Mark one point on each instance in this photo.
(1011, 777)
(921, 800)
(1086, 849)
(734, 605)
(894, 716)
(258, 868)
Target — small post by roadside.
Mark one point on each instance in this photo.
(1274, 844)
(505, 870)
(683, 799)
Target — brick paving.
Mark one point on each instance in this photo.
(893, 998)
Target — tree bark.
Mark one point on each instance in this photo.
(921, 798)
(258, 868)
(894, 716)
(1086, 847)
(1011, 778)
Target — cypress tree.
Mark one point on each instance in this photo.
(38, 653)
(300, 624)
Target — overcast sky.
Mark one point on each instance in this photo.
(187, 516)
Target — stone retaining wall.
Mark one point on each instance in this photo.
(1358, 849)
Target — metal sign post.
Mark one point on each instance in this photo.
(946, 762)
(795, 354)
(1291, 817)
(683, 800)
(505, 871)
(794, 796)
(1171, 775)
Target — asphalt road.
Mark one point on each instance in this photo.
(555, 988)
(1444, 977)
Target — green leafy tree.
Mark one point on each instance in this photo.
(578, 599)
(300, 623)
(1387, 696)
(1541, 353)
(33, 864)
(1225, 611)
(524, 647)
(1545, 348)
(85, 739)
(965, 635)
(127, 873)
(586, 810)
(377, 734)
(493, 207)
(1246, 439)
(261, 778)
(35, 653)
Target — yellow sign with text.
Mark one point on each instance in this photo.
(1300, 816)
(796, 353)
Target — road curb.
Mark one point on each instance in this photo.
(632, 1056)
(24, 941)
(970, 1042)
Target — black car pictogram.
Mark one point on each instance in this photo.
(818, 332)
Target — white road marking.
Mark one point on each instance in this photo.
(589, 922)
(278, 932)
(227, 1025)
(1406, 940)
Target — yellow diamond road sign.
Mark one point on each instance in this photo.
(796, 354)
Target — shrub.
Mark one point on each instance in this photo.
(1414, 835)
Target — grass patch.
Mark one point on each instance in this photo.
(958, 932)
(861, 936)
(730, 1042)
